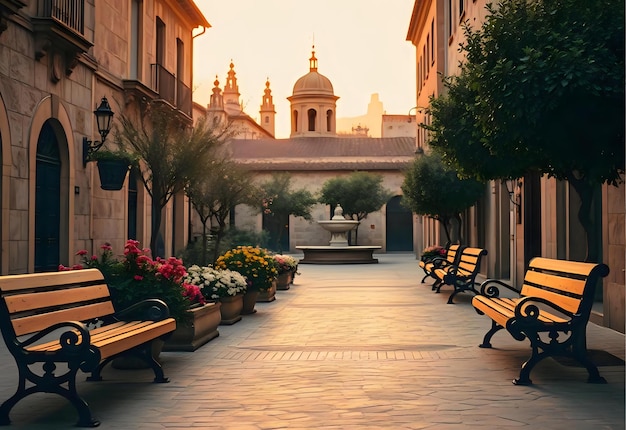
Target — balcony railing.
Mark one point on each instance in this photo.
(68, 12)
(171, 89)
(164, 83)
(183, 97)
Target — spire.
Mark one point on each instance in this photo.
(268, 112)
(231, 80)
(313, 61)
(231, 92)
(216, 98)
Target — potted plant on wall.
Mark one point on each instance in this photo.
(112, 168)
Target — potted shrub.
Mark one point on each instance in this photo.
(223, 286)
(257, 265)
(433, 251)
(287, 266)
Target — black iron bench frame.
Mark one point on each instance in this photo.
(555, 301)
(461, 276)
(452, 257)
(67, 319)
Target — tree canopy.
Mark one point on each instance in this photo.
(223, 186)
(359, 194)
(279, 201)
(171, 154)
(541, 90)
(431, 189)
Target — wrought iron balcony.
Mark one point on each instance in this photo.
(59, 29)
(164, 83)
(170, 89)
(183, 97)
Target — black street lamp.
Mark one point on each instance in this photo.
(104, 115)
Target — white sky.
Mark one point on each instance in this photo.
(360, 45)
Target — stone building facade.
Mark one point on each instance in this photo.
(58, 59)
(315, 153)
(533, 216)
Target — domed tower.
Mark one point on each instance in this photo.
(268, 112)
(313, 104)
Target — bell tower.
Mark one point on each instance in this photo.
(268, 111)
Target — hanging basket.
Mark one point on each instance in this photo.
(112, 173)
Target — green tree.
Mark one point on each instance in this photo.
(171, 154)
(541, 91)
(359, 194)
(279, 201)
(431, 189)
(223, 186)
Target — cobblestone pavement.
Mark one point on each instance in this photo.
(347, 347)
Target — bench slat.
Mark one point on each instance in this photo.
(47, 299)
(570, 304)
(115, 338)
(35, 323)
(565, 266)
(570, 286)
(49, 279)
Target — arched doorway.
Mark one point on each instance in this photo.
(47, 201)
(399, 225)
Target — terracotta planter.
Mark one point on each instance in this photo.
(249, 301)
(268, 295)
(201, 329)
(231, 309)
(283, 281)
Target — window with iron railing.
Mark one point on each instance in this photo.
(68, 12)
(183, 97)
(164, 83)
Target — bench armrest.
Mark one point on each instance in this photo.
(149, 309)
(489, 288)
(76, 337)
(527, 308)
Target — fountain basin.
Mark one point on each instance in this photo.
(338, 254)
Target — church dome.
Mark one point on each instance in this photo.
(313, 83)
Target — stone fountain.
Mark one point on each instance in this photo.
(338, 251)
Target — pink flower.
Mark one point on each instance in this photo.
(82, 252)
(138, 277)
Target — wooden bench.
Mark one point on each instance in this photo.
(67, 319)
(431, 264)
(462, 275)
(555, 301)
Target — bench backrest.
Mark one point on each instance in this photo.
(32, 302)
(568, 284)
(453, 253)
(469, 261)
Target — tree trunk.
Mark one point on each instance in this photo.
(457, 218)
(155, 227)
(585, 191)
(445, 221)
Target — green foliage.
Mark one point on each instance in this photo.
(172, 153)
(256, 264)
(279, 201)
(223, 186)
(431, 189)
(542, 90)
(359, 194)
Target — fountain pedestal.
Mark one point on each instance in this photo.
(338, 254)
(338, 251)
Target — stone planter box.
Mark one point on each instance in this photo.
(202, 328)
